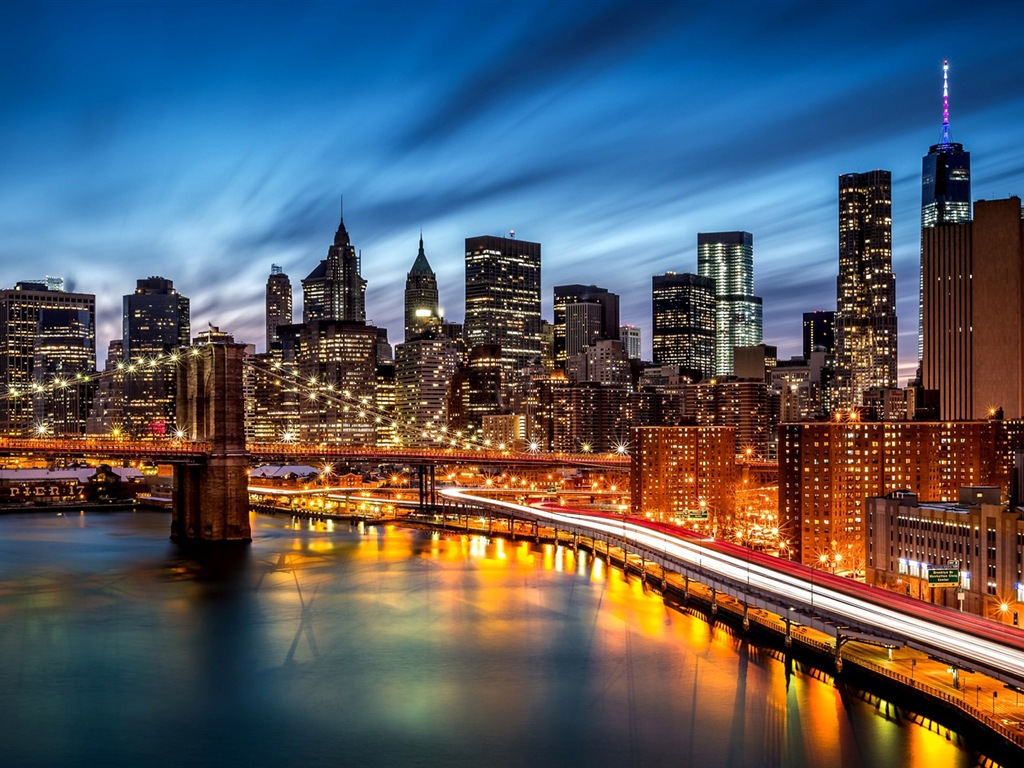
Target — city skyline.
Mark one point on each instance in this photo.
(207, 144)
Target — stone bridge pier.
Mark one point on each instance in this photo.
(211, 498)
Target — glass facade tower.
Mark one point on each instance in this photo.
(728, 259)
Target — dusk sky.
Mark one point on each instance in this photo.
(205, 141)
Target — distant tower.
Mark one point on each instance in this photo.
(945, 190)
(728, 259)
(683, 309)
(335, 290)
(603, 309)
(819, 332)
(866, 287)
(630, 335)
(422, 316)
(279, 302)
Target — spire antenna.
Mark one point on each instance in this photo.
(945, 102)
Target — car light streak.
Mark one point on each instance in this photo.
(971, 639)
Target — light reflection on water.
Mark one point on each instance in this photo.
(382, 646)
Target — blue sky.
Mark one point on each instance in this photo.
(206, 141)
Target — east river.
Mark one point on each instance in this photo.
(384, 646)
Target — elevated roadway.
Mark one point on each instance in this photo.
(841, 607)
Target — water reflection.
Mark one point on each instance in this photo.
(385, 646)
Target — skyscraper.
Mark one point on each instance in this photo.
(422, 316)
(683, 319)
(945, 190)
(44, 332)
(604, 311)
(630, 335)
(155, 321)
(279, 302)
(866, 287)
(503, 299)
(945, 174)
(423, 369)
(973, 319)
(728, 259)
(335, 290)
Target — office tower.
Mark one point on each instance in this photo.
(503, 299)
(819, 332)
(335, 290)
(341, 359)
(630, 335)
(279, 302)
(599, 320)
(155, 321)
(43, 333)
(973, 318)
(423, 369)
(945, 190)
(582, 326)
(728, 259)
(422, 316)
(65, 350)
(866, 287)
(683, 319)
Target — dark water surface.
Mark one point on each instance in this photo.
(387, 647)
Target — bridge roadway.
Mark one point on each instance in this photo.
(178, 450)
(843, 608)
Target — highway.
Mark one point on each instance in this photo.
(963, 640)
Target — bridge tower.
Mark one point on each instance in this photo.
(211, 499)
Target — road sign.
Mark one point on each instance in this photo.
(943, 577)
(696, 514)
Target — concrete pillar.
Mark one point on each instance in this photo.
(211, 499)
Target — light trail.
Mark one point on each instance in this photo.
(974, 642)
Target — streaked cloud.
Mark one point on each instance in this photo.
(206, 141)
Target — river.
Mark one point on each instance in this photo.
(330, 645)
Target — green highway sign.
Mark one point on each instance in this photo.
(696, 514)
(943, 577)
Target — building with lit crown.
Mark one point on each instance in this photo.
(945, 190)
(422, 313)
